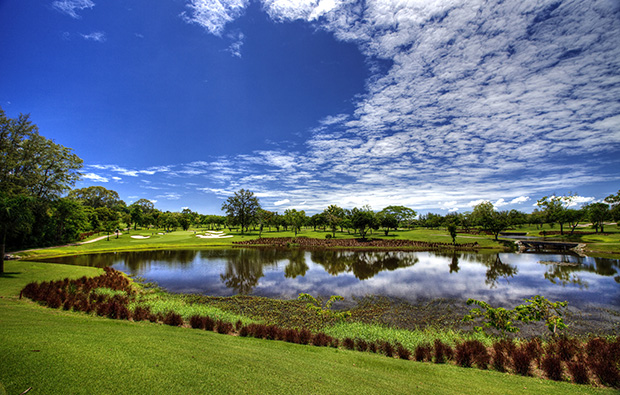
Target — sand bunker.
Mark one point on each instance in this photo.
(140, 237)
(214, 236)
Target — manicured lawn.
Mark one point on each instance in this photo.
(54, 351)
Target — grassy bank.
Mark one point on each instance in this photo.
(55, 351)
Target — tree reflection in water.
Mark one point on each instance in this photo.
(244, 267)
(565, 270)
(496, 269)
(363, 264)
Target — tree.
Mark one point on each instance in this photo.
(598, 213)
(614, 202)
(452, 231)
(295, 219)
(555, 208)
(135, 215)
(404, 215)
(97, 196)
(241, 208)
(387, 221)
(33, 170)
(490, 220)
(71, 219)
(30, 164)
(108, 219)
(363, 219)
(333, 216)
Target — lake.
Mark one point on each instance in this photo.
(504, 278)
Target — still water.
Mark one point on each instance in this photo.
(504, 278)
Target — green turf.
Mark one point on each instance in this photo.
(59, 352)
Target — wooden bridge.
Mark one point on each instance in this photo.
(547, 245)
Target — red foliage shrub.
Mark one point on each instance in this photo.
(173, 319)
(402, 352)
(305, 336)
(499, 357)
(244, 331)
(441, 351)
(238, 325)
(321, 340)
(552, 366)
(579, 372)
(291, 336)
(348, 343)
(521, 361)
(141, 313)
(361, 345)
(208, 323)
(423, 353)
(223, 327)
(196, 322)
(387, 349)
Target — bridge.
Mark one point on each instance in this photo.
(547, 245)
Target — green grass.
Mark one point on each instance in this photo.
(409, 339)
(55, 351)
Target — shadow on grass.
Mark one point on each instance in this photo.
(10, 274)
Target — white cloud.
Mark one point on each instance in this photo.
(95, 36)
(95, 177)
(500, 203)
(520, 199)
(169, 196)
(213, 15)
(71, 7)
(281, 202)
(237, 42)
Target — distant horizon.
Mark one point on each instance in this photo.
(435, 106)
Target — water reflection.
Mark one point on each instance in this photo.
(363, 264)
(499, 278)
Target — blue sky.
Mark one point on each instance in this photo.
(435, 105)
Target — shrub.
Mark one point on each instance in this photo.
(521, 361)
(534, 350)
(335, 343)
(291, 336)
(141, 313)
(348, 343)
(402, 352)
(361, 345)
(442, 351)
(321, 340)
(223, 327)
(244, 331)
(272, 332)
(552, 366)
(463, 355)
(238, 325)
(173, 319)
(196, 322)
(387, 349)
(372, 347)
(423, 353)
(579, 372)
(328, 236)
(305, 336)
(208, 323)
(567, 348)
(499, 357)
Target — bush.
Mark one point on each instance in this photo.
(521, 361)
(423, 353)
(402, 352)
(499, 357)
(348, 343)
(173, 319)
(223, 327)
(579, 372)
(196, 322)
(305, 336)
(442, 351)
(361, 345)
(328, 236)
(552, 366)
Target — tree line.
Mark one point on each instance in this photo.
(243, 209)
